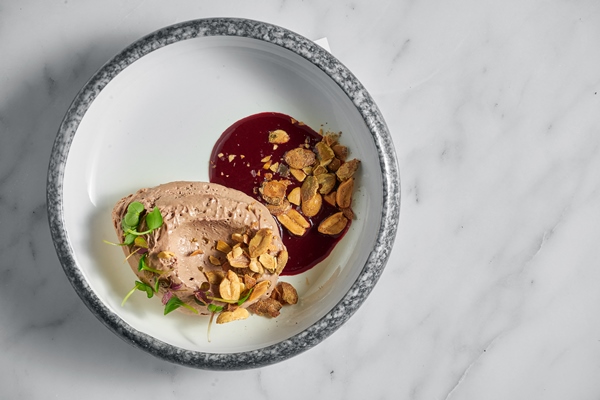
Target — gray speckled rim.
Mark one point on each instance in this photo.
(364, 104)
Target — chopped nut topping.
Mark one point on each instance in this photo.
(274, 167)
(223, 247)
(309, 188)
(326, 182)
(282, 208)
(260, 243)
(348, 213)
(285, 293)
(239, 238)
(298, 174)
(299, 158)
(237, 258)
(165, 255)
(237, 251)
(333, 224)
(324, 152)
(294, 196)
(347, 169)
(319, 169)
(312, 206)
(279, 136)
(273, 192)
(334, 165)
(229, 288)
(266, 307)
(294, 222)
(196, 252)
(343, 196)
(235, 315)
(214, 277)
(249, 281)
(255, 266)
(331, 138)
(268, 261)
(340, 151)
(259, 290)
(330, 198)
(282, 259)
(214, 260)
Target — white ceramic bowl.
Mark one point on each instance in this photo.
(166, 99)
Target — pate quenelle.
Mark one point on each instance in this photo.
(216, 246)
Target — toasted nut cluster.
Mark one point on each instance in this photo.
(247, 258)
(266, 307)
(294, 222)
(323, 174)
(283, 294)
(235, 315)
(254, 253)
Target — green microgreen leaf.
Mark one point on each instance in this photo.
(139, 286)
(129, 239)
(215, 308)
(243, 299)
(135, 207)
(156, 284)
(143, 265)
(154, 219)
(147, 288)
(174, 303)
(131, 219)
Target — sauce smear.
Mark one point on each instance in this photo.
(236, 162)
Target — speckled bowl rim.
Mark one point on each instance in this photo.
(365, 105)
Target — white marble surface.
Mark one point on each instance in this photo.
(493, 287)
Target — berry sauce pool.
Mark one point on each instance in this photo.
(236, 162)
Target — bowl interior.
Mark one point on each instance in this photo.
(156, 122)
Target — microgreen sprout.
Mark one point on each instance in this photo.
(143, 265)
(214, 309)
(174, 303)
(243, 299)
(142, 287)
(131, 222)
(239, 302)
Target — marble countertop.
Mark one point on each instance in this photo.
(492, 288)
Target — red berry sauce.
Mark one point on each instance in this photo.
(235, 162)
